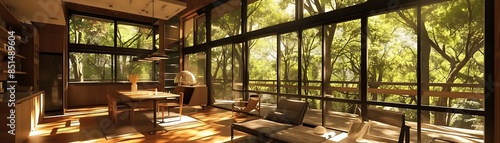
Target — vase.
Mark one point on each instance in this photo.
(133, 87)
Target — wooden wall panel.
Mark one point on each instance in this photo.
(28, 114)
(94, 94)
(52, 37)
(497, 70)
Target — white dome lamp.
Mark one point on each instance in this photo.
(185, 77)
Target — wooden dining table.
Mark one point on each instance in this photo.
(145, 95)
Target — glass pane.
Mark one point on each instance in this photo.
(125, 67)
(195, 63)
(289, 67)
(221, 72)
(189, 32)
(90, 67)
(265, 13)
(311, 62)
(314, 7)
(135, 36)
(453, 55)
(268, 103)
(262, 64)
(454, 127)
(238, 67)
(392, 58)
(314, 113)
(201, 30)
(91, 31)
(343, 59)
(226, 20)
(340, 115)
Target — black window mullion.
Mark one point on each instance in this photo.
(208, 54)
(419, 74)
(324, 83)
(364, 67)
(115, 40)
(278, 60)
(299, 62)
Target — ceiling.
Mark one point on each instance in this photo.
(51, 11)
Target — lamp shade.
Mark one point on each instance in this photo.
(185, 77)
(159, 56)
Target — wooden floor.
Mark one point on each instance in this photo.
(72, 128)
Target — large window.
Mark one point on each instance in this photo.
(126, 66)
(343, 59)
(265, 13)
(453, 62)
(90, 67)
(392, 59)
(311, 62)
(134, 36)
(201, 30)
(110, 63)
(222, 72)
(226, 20)
(426, 61)
(262, 64)
(188, 32)
(91, 31)
(314, 7)
(195, 63)
(289, 65)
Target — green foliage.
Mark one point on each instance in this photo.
(100, 67)
(452, 48)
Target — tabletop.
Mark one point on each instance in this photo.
(146, 95)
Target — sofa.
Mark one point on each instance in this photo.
(289, 113)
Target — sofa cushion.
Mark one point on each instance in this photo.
(260, 127)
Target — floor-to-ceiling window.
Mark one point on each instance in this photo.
(426, 61)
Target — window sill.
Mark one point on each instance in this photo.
(110, 82)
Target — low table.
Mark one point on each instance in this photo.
(302, 134)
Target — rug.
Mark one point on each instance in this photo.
(143, 123)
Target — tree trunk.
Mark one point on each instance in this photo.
(426, 53)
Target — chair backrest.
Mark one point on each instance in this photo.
(112, 107)
(391, 118)
(293, 111)
(188, 93)
(252, 103)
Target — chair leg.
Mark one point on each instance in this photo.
(232, 136)
(162, 114)
(132, 116)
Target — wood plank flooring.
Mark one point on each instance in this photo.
(73, 128)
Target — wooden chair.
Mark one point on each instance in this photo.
(113, 110)
(246, 106)
(184, 99)
(170, 104)
(391, 118)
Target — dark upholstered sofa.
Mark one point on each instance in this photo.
(289, 113)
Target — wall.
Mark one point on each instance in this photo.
(497, 70)
(94, 94)
(52, 37)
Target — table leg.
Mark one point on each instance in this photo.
(155, 130)
(154, 111)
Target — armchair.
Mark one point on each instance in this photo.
(246, 106)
